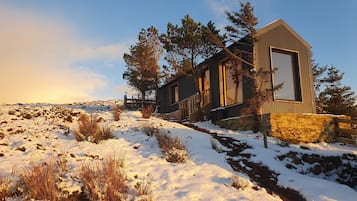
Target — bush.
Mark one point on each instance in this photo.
(143, 191)
(5, 188)
(147, 111)
(151, 131)
(105, 182)
(90, 130)
(116, 113)
(239, 183)
(40, 182)
(215, 146)
(174, 149)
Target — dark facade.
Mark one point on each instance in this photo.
(277, 43)
(186, 88)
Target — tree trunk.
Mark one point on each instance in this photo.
(142, 98)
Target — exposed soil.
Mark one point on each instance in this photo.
(257, 172)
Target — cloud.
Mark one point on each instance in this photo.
(126, 89)
(38, 59)
(112, 52)
(218, 7)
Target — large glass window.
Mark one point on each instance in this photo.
(287, 72)
(231, 83)
(174, 94)
(204, 87)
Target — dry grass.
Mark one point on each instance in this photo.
(174, 149)
(151, 131)
(116, 113)
(90, 130)
(143, 191)
(105, 182)
(147, 111)
(215, 146)
(39, 182)
(239, 183)
(5, 188)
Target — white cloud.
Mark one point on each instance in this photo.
(218, 7)
(38, 57)
(112, 52)
(126, 89)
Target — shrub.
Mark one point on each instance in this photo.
(40, 182)
(239, 183)
(116, 113)
(90, 130)
(5, 188)
(215, 146)
(143, 191)
(151, 131)
(174, 149)
(105, 182)
(147, 111)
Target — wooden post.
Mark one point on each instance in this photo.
(263, 129)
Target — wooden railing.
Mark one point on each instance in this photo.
(346, 134)
(135, 103)
(190, 105)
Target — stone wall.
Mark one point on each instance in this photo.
(291, 127)
(303, 127)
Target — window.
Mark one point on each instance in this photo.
(174, 94)
(286, 63)
(204, 86)
(231, 85)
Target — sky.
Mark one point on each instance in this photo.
(66, 51)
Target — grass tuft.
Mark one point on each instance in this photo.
(239, 183)
(39, 182)
(215, 146)
(174, 149)
(143, 191)
(147, 111)
(106, 181)
(90, 130)
(116, 113)
(5, 188)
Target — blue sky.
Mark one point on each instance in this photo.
(62, 51)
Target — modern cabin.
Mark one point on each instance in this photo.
(278, 46)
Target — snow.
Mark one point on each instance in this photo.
(312, 188)
(205, 176)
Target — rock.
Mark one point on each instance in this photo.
(136, 146)
(311, 158)
(2, 135)
(316, 169)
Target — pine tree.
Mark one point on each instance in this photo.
(336, 98)
(242, 33)
(143, 71)
(317, 73)
(186, 46)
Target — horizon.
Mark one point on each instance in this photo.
(65, 52)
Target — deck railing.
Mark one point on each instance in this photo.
(190, 105)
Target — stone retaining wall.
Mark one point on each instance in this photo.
(291, 127)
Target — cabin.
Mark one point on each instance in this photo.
(278, 46)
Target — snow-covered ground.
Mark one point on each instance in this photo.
(34, 133)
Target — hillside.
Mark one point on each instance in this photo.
(32, 134)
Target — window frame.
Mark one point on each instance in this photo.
(295, 55)
(174, 94)
(223, 85)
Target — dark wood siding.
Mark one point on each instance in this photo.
(186, 87)
(281, 37)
